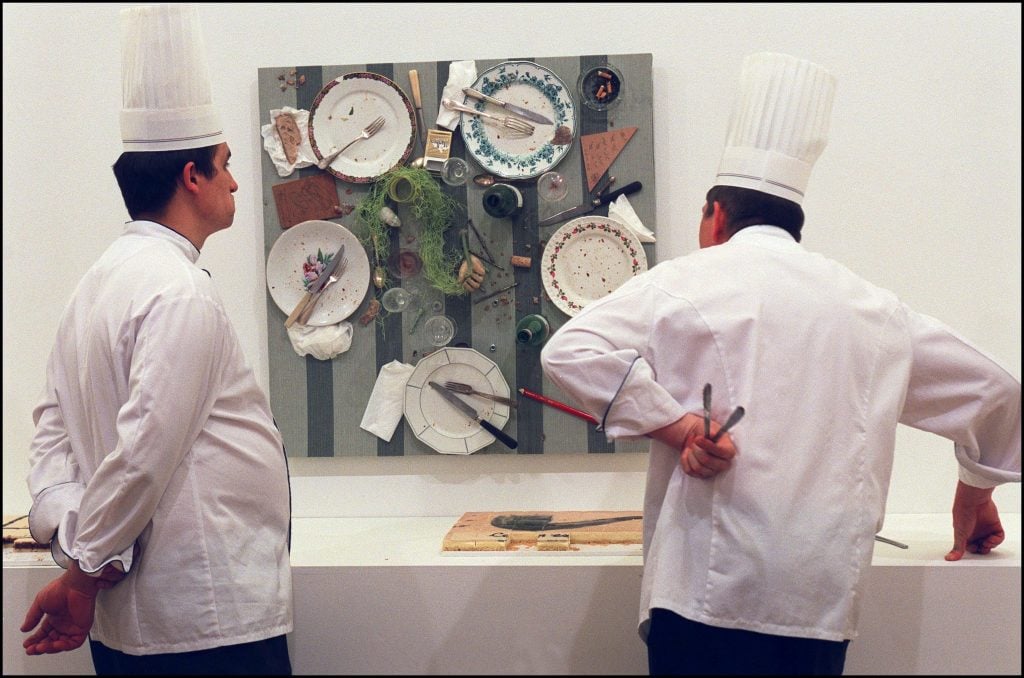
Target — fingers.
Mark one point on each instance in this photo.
(32, 617)
(706, 459)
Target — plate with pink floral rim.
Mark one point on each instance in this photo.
(589, 258)
(298, 257)
(340, 112)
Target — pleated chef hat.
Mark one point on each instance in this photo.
(779, 125)
(165, 81)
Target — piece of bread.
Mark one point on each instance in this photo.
(291, 137)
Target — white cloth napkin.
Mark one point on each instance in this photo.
(323, 343)
(275, 149)
(384, 409)
(460, 74)
(620, 210)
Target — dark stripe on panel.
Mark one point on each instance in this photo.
(319, 373)
(593, 122)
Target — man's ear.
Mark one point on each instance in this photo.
(719, 224)
(190, 177)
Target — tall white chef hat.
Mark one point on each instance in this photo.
(165, 81)
(779, 125)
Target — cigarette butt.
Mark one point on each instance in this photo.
(606, 76)
(521, 262)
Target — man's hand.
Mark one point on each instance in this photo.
(65, 607)
(976, 526)
(699, 457)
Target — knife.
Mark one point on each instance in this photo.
(459, 403)
(316, 286)
(414, 82)
(628, 189)
(511, 108)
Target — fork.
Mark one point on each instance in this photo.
(514, 124)
(334, 277)
(466, 389)
(367, 132)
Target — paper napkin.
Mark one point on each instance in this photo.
(275, 149)
(460, 74)
(323, 343)
(384, 409)
(620, 210)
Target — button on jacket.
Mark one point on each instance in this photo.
(152, 428)
(825, 365)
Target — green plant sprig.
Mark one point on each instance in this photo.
(432, 208)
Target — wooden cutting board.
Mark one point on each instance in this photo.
(16, 533)
(543, 530)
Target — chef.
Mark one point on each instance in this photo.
(755, 549)
(158, 476)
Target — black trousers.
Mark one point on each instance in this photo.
(680, 647)
(264, 657)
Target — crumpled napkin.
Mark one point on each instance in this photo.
(460, 74)
(620, 210)
(323, 343)
(384, 409)
(272, 142)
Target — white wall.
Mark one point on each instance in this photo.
(919, 188)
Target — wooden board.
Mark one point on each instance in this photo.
(543, 530)
(16, 533)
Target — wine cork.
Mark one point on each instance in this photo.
(521, 262)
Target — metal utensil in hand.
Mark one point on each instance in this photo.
(707, 410)
(367, 132)
(514, 124)
(466, 389)
(733, 419)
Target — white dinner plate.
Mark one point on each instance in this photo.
(589, 258)
(340, 112)
(300, 254)
(505, 153)
(437, 422)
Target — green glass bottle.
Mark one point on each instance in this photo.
(503, 201)
(533, 330)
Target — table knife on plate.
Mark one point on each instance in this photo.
(464, 407)
(315, 286)
(511, 108)
(588, 207)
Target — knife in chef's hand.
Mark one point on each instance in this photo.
(463, 407)
(511, 108)
(315, 286)
(587, 207)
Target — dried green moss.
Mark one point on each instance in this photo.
(432, 208)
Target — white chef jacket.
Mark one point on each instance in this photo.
(825, 365)
(153, 428)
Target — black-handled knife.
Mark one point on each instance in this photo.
(587, 207)
(461, 405)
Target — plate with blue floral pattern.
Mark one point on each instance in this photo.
(505, 153)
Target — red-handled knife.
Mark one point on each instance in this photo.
(587, 207)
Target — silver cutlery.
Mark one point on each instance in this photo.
(466, 389)
(367, 132)
(511, 108)
(314, 288)
(514, 124)
(464, 407)
(333, 278)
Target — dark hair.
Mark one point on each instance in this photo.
(148, 179)
(747, 207)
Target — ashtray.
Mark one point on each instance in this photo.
(600, 87)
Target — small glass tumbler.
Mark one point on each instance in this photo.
(440, 329)
(397, 299)
(552, 186)
(455, 171)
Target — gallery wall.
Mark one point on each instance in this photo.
(918, 189)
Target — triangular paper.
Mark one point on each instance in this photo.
(600, 151)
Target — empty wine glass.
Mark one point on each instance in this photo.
(440, 329)
(454, 171)
(552, 186)
(397, 299)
